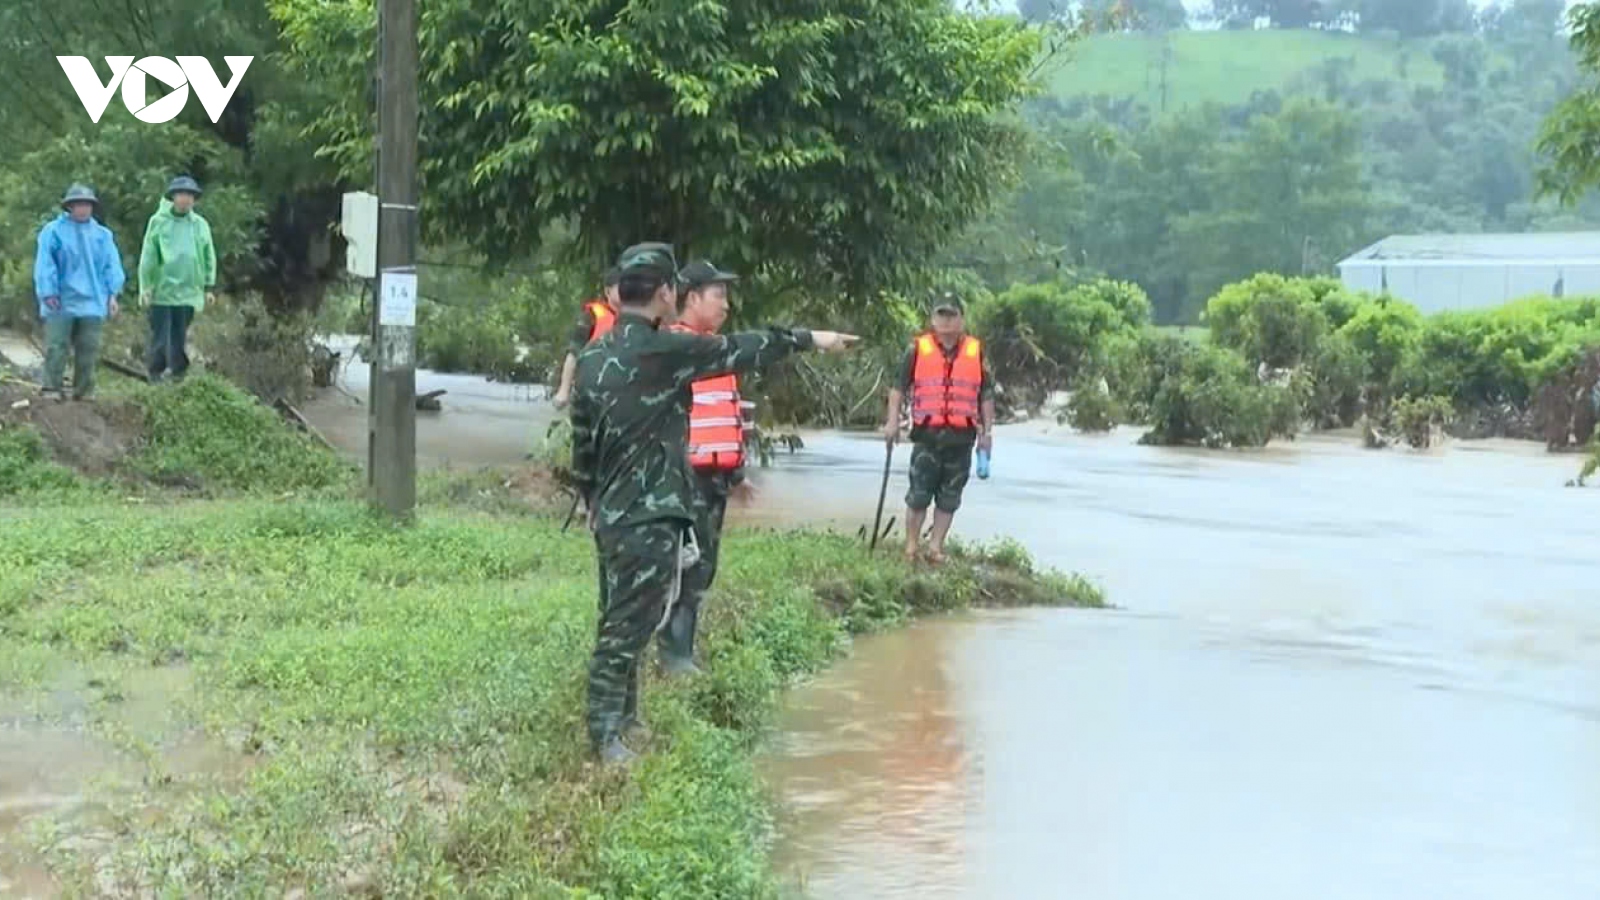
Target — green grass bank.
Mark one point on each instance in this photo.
(287, 697)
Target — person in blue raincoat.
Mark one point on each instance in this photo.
(77, 276)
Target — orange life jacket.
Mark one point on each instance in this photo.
(944, 390)
(604, 318)
(716, 429)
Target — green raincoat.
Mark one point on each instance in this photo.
(178, 264)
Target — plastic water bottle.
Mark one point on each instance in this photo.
(983, 463)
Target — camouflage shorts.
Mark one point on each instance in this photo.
(938, 474)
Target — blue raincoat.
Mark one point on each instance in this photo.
(79, 263)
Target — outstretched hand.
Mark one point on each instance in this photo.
(833, 341)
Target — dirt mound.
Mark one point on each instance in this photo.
(92, 436)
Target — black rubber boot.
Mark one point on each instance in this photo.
(677, 641)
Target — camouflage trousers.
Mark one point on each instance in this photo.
(711, 504)
(639, 579)
(939, 472)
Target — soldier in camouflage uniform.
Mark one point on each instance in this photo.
(630, 419)
(714, 419)
(947, 380)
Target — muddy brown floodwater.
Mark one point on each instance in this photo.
(1333, 673)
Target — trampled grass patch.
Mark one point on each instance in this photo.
(409, 700)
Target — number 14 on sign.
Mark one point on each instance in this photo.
(398, 299)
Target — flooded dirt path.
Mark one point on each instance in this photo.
(481, 423)
(1335, 673)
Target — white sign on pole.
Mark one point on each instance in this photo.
(358, 222)
(398, 299)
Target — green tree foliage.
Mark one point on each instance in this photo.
(1290, 181)
(1289, 188)
(1186, 204)
(269, 200)
(1206, 395)
(1281, 13)
(1044, 337)
(1385, 332)
(1410, 18)
(1526, 369)
(840, 144)
(1331, 383)
(1138, 15)
(1268, 319)
(1571, 135)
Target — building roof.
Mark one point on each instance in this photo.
(1560, 247)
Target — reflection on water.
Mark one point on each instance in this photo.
(873, 756)
(1337, 674)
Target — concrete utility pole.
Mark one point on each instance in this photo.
(392, 411)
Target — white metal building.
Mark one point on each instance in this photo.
(1439, 272)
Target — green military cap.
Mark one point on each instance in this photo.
(650, 258)
(947, 302)
(613, 276)
(700, 273)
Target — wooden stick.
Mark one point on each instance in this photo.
(125, 369)
(299, 419)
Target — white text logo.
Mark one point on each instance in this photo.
(188, 71)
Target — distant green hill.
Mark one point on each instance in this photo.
(1227, 66)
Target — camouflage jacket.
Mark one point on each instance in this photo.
(630, 412)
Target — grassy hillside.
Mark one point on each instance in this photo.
(1227, 66)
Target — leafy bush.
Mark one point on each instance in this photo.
(1043, 337)
(205, 432)
(1590, 466)
(1417, 417)
(1331, 383)
(1091, 406)
(26, 467)
(506, 325)
(481, 340)
(1348, 350)
(1384, 332)
(268, 355)
(1208, 395)
(1268, 319)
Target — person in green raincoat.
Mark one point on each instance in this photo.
(177, 273)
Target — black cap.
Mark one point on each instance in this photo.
(613, 276)
(702, 272)
(948, 302)
(650, 259)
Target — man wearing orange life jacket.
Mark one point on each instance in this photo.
(951, 391)
(594, 320)
(716, 456)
